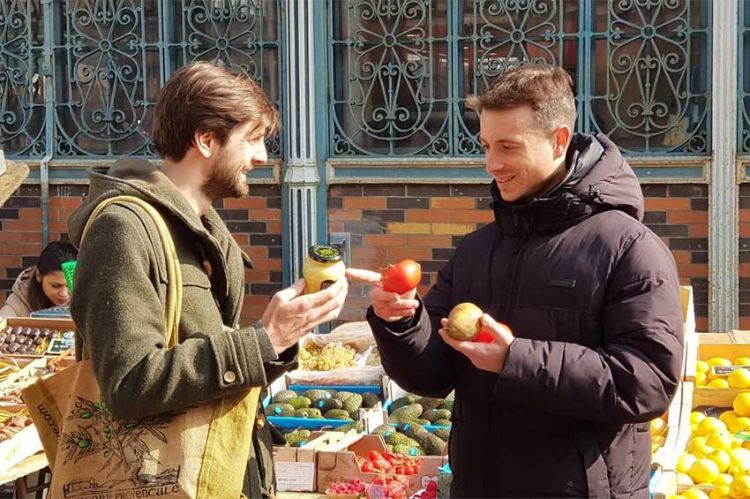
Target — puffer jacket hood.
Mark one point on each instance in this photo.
(598, 179)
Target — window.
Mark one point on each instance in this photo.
(109, 62)
(402, 68)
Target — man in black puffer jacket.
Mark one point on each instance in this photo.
(560, 407)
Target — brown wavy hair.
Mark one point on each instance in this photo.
(202, 97)
(547, 89)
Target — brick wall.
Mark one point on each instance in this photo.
(679, 214)
(255, 222)
(744, 249)
(425, 222)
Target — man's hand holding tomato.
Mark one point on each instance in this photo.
(393, 298)
(388, 305)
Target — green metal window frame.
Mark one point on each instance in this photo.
(386, 59)
(107, 63)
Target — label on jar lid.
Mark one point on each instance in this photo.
(324, 253)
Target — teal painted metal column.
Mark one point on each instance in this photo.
(723, 244)
(301, 176)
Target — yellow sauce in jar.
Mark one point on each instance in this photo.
(323, 266)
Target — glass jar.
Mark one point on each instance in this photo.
(323, 266)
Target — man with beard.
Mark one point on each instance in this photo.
(560, 406)
(209, 124)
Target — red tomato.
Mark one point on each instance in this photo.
(367, 467)
(402, 277)
(485, 336)
(373, 455)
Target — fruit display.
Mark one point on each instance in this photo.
(721, 372)
(334, 355)
(10, 388)
(430, 491)
(351, 489)
(13, 422)
(322, 404)
(24, 340)
(716, 460)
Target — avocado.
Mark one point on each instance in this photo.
(297, 438)
(370, 400)
(327, 404)
(299, 402)
(280, 409)
(283, 396)
(336, 414)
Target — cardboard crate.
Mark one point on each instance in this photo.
(56, 324)
(295, 467)
(338, 462)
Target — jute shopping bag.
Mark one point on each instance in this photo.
(199, 452)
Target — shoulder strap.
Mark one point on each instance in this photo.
(173, 307)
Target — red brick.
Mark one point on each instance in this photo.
(22, 225)
(698, 230)
(385, 239)
(681, 217)
(345, 215)
(477, 216)
(245, 203)
(418, 254)
(430, 241)
(267, 214)
(434, 215)
(667, 204)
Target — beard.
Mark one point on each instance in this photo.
(225, 179)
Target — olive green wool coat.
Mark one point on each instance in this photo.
(119, 300)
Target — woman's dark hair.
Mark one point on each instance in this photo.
(50, 260)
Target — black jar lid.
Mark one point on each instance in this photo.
(324, 253)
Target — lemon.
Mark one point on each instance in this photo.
(722, 460)
(728, 416)
(719, 361)
(741, 404)
(683, 479)
(718, 383)
(739, 378)
(701, 379)
(684, 462)
(724, 479)
(711, 425)
(702, 366)
(695, 494)
(696, 442)
(696, 417)
(740, 459)
(741, 361)
(719, 492)
(740, 488)
(720, 440)
(704, 470)
(658, 426)
(739, 424)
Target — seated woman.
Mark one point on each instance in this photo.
(43, 285)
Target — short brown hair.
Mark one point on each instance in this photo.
(207, 98)
(547, 89)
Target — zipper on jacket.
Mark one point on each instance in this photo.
(513, 271)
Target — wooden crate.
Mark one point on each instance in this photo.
(56, 324)
(718, 345)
